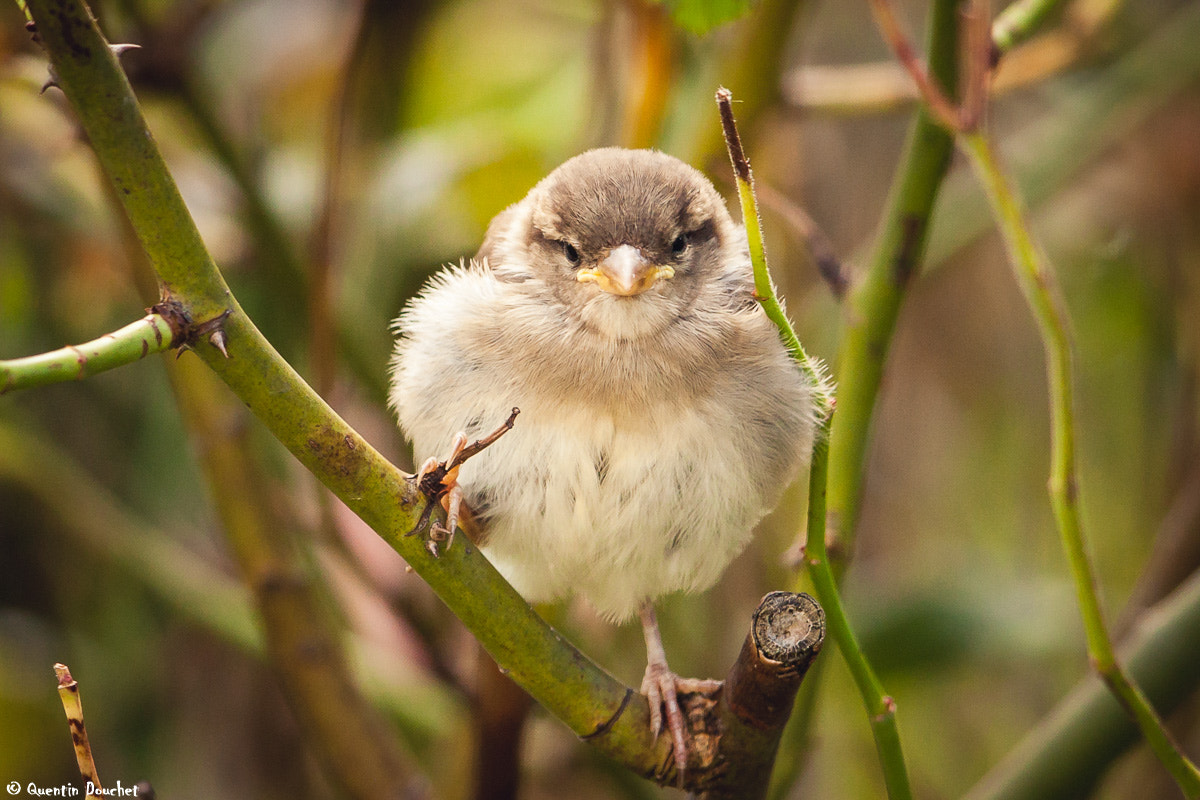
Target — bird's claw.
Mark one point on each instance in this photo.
(438, 481)
(662, 689)
(658, 685)
(439, 484)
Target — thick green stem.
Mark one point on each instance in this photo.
(874, 304)
(1038, 284)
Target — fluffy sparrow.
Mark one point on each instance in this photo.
(661, 416)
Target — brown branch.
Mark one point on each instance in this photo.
(649, 71)
(501, 709)
(940, 106)
(977, 46)
(829, 265)
(754, 706)
(977, 53)
(68, 691)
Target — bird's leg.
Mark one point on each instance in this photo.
(658, 684)
(438, 481)
(662, 687)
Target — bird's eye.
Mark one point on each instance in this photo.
(570, 252)
(680, 244)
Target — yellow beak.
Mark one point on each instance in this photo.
(625, 272)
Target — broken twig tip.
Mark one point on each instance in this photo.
(64, 675)
(733, 141)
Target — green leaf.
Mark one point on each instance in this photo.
(701, 16)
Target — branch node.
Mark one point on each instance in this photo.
(185, 333)
(176, 317)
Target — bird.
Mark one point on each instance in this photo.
(661, 416)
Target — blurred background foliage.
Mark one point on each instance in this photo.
(335, 154)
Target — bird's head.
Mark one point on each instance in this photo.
(627, 239)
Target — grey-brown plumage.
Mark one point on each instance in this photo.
(660, 415)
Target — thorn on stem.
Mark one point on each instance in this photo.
(218, 340)
(117, 50)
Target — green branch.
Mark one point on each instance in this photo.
(1019, 21)
(873, 305)
(585, 697)
(1103, 108)
(881, 709)
(1038, 284)
(150, 334)
(1068, 752)
(835, 478)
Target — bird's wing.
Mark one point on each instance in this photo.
(497, 231)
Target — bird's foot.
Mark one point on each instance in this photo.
(438, 481)
(662, 689)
